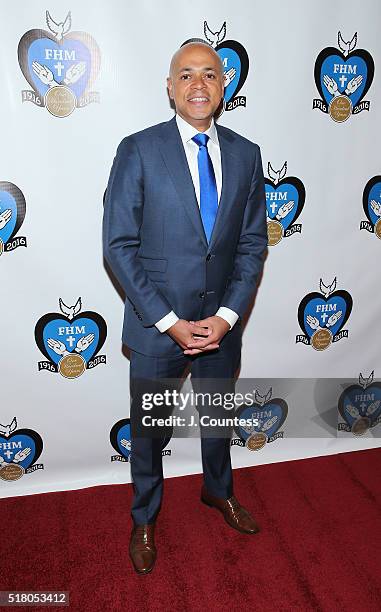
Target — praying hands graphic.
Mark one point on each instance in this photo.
(313, 322)
(73, 74)
(375, 206)
(229, 76)
(60, 348)
(5, 217)
(354, 412)
(262, 426)
(126, 444)
(19, 456)
(284, 210)
(350, 89)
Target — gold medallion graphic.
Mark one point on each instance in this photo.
(340, 108)
(11, 471)
(274, 231)
(256, 441)
(377, 229)
(60, 101)
(321, 339)
(360, 426)
(72, 366)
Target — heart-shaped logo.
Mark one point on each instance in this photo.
(343, 76)
(120, 438)
(60, 66)
(360, 406)
(19, 450)
(323, 315)
(372, 206)
(285, 199)
(235, 60)
(70, 340)
(12, 214)
(270, 415)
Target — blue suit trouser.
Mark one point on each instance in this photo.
(146, 452)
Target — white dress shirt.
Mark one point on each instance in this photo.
(187, 132)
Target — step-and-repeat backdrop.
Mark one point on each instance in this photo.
(302, 81)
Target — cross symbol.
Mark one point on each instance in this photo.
(273, 207)
(342, 80)
(59, 67)
(71, 340)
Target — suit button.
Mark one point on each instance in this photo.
(140, 318)
(201, 295)
(208, 257)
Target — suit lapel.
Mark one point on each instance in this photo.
(173, 153)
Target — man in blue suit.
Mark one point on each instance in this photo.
(185, 234)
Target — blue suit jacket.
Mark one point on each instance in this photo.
(154, 241)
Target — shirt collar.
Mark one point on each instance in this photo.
(187, 131)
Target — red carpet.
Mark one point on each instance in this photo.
(319, 548)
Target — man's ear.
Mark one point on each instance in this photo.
(169, 85)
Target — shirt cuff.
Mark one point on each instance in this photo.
(229, 315)
(166, 322)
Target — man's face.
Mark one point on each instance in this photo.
(196, 84)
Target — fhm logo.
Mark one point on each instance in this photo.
(360, 406)
(19, 451)
(323, 315)
(120, 439)
(12, 214)
(70, 340)
(371, 201)
(60, 66)
(285, 199)
(343, 76)
(270, 415)
(235, 60)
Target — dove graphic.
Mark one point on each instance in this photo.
(346, 47)
(262, 399)
(365, 382)
(326, 290)
(6, 430)
(58, 29)
(214, 38)
(70, 311)
(276, 175)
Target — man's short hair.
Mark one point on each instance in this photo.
(196, 40)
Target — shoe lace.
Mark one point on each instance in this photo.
(234, 504)
(142, 537)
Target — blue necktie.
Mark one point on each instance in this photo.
(208, 186)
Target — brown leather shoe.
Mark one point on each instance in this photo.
(234, 514)
(142, 548)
